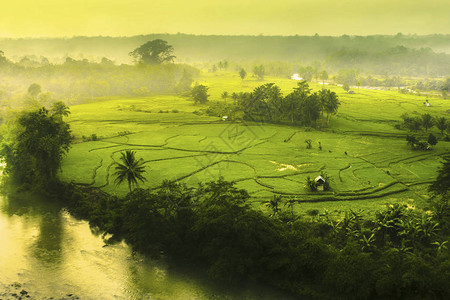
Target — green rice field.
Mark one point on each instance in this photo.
(368, 160)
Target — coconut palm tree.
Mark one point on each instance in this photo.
(130, 169)
(427, 121)
(441, 124)
(274, 204)
(330, 102)
(60, 109)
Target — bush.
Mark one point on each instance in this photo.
(432, 140)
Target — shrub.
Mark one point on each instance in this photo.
(311, 184)
(308, 143)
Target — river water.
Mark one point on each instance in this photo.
(48, 253)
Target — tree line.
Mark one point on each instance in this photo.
(77, 81)
(266, 103)
(425, 121)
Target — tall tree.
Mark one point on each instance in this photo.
(60, 109)
(263, 103)
(259, 72)
(330, 102)
(310, 109)
(34, 154)
(427, 121)
(274, 204)
(154, 52)
(441, 185)
(323, 76)
(200, 93)
(292, 103)
(130, 169)
(224, 96)
(242, 74)
(34, 90)
(441, 124)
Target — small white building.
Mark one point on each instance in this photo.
(296, 77)
(320, 181)
(224, 118)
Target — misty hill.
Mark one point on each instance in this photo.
(201, 48)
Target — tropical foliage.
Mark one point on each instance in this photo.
(267, 103)
(129, 169)
(34, 150)
(399, 254)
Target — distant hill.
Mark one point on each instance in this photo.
(378, 54)
(201, 48)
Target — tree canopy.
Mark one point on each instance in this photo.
(153, 52)
(200, 93)
(442, 183)
(130, 169)
(33, 156)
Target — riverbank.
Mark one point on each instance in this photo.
(51, 254)
(16, 291)
(214, 228)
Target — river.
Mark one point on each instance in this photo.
(46, 252)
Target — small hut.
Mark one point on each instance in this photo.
(320, 182)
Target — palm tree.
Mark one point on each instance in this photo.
(273, 204)
(427, 121)
(60, 110)
(130, 169)
(441, 124)
(331, 104)
(290, 204)
(225, 96)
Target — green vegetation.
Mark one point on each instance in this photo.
(200, 94)
(79, 81)
(259, 72)
(267, 104)
(242, 74)
(37, 144)
(402, 253)
(130, 169)
(153, 53)
(361, 148)
(233, 188)
(396, 55)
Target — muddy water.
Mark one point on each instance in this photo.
(45, 252)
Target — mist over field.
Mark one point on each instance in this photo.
(208, 48)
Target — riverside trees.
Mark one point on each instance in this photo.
(36, 146)
(399, 254)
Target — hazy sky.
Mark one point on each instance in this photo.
(25, 18)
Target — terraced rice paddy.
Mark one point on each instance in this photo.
(366, 157)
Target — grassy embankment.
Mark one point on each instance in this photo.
(367, 158)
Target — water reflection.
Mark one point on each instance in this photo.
(51, 254)
(46, 242)
(48, 245)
